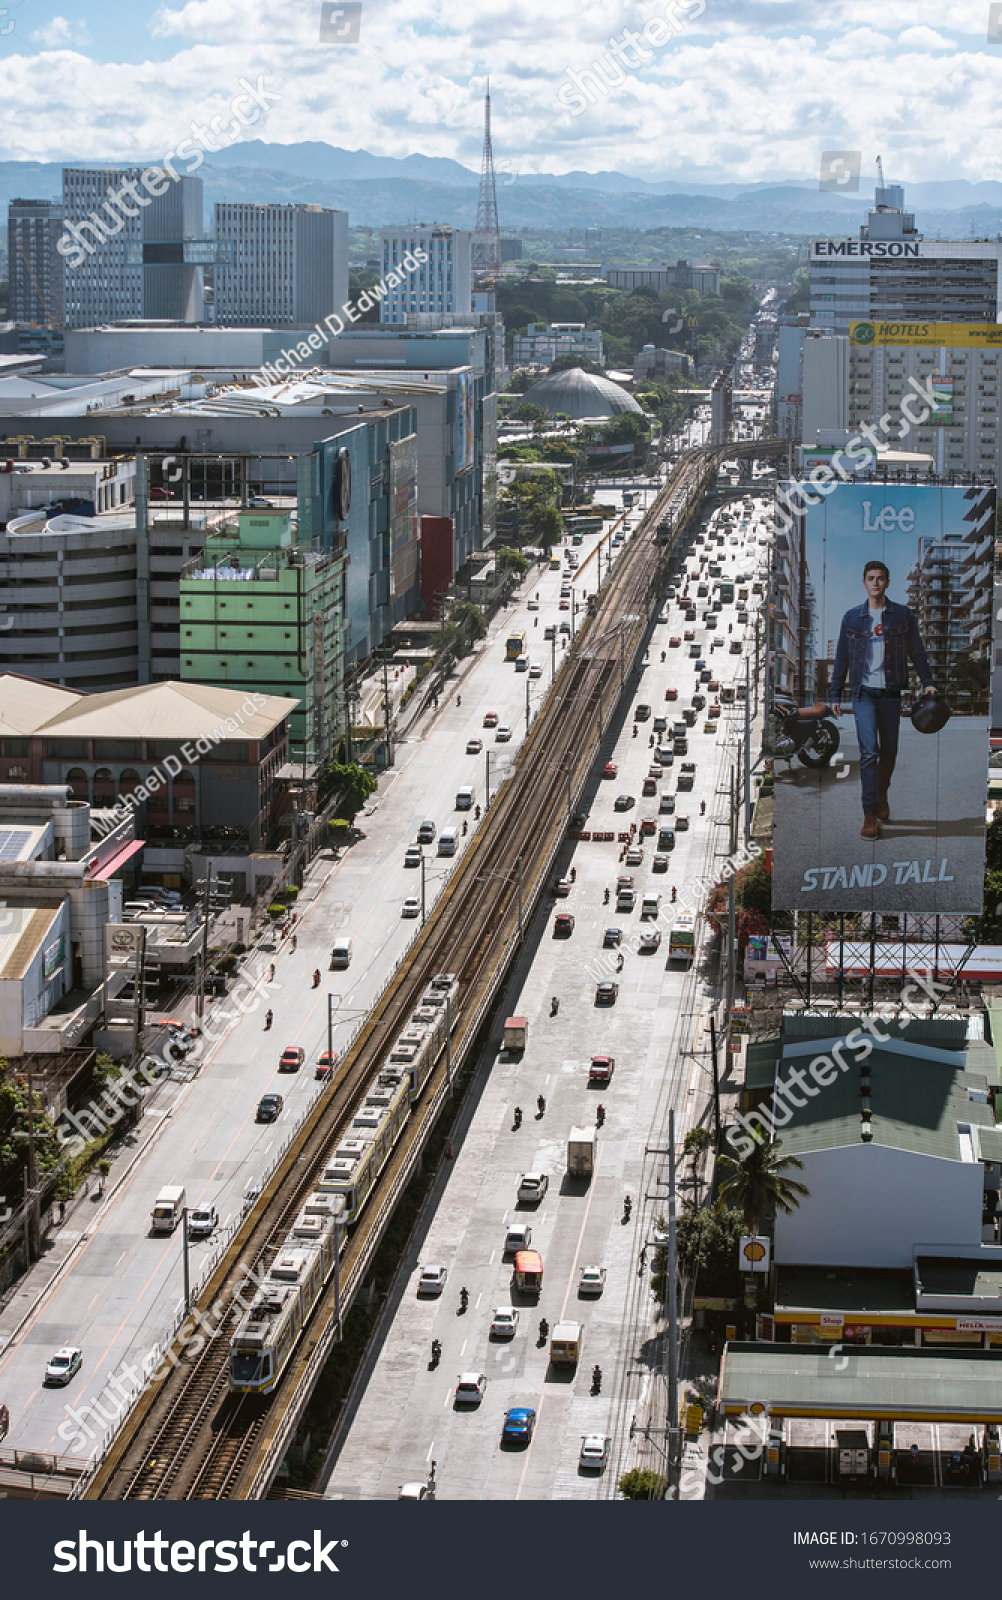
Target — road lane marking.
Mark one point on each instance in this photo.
(570, 1285)
(430, 1449)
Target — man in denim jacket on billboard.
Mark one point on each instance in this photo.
(875, 642)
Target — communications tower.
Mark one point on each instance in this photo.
(487, 235)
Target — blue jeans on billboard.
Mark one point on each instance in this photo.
(878, 718)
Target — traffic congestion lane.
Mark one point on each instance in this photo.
(140, 1277)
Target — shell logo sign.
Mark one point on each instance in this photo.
(753, 1253)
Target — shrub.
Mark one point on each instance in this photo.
(642, 1485)
(276, 910)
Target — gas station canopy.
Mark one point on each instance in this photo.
(850, 1381)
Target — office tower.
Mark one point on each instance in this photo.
(442, 283)
(290, 264)
(132, 245)
(35, 266)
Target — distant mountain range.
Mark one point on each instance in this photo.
(381, 191)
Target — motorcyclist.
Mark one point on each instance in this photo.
(634, 730)
(268, 1019)
(541, 1105)
(459, 699)
(316, 977)
(702, 808)
(544, 1327)
(664, 655)
(627, 1205)
(476, 813)
(574, 874)
(518, 1116)
(271, 972)
(293, 941)
(464, 1298)
(619, 962)
(596, 1377)
(554, 1006)
(605, 897)
(674, 894)
(464, 830)
(600, 1115)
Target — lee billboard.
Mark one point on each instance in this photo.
(881, 787)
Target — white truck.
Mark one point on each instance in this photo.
(169, 1207)
(516, 1033)
(581, 1152)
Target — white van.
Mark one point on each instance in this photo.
(341, 951)
(464, 798)
(651, 905)
(522, 663)
(447, 842)
(166, 1214)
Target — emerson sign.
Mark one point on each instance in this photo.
(863, 247)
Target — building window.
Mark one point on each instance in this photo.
(19, 747)
(104, 775)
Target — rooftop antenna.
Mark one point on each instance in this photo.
(487, 235)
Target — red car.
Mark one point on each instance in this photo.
(610, 770)
(565, 605)
(647, 825)
(491, 719)
(292, 1058)
(325, 1063)
(713, 686)
(650, 786)
(690, 634)
(671, 694)
(674, 642)
(563, 925)
(601, 1069)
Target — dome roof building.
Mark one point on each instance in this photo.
(581, 395)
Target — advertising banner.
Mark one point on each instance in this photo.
(881, 790)
(465, 438)
(403, 516)
(951, 335)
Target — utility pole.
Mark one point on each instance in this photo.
(748, 760)
(422, 887)
(448, 1043)
(187, 1270)
(488, 800)
(520, 899)
(731, 916)
(716, 1076)
(526, 702)
(553, 656)
(568, 785)
(386, 704)
(330, 1039)
(34, 1244)
(200, 992)
(672, 1308)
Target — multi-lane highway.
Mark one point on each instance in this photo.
(407, 1414)
(124, 1286)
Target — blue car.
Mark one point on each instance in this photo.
(518, 1425)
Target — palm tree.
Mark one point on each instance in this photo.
(753, 1185)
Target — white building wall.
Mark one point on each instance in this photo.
(870, 1205)
(825, 384)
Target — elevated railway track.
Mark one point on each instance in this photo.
(188, 1436)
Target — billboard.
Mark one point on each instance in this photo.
(877, 809)
(403, 516)
(465, 435)
(948, 335)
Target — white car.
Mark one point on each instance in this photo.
(504, 1322)
(533, 605)
(592, 1280)
(502, 734)
(64, 1365)
(650, 939)
(415, 1491)
(432, 1280)
(535, 670)
(202, 1221)
(594, 1451)
(474, 746)
(532, 1186)
(411, 908)
(518, 1237)
(471, 1388)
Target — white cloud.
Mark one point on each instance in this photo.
(752, 88)
(59, 32)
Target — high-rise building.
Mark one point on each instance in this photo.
(442, 283)
(290, 264)
(35, 265)
(130, 259)
(891, 274)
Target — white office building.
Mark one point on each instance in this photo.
(542, 343)
(891, 274)
(131, 260)
(290, 265)
(442, 283)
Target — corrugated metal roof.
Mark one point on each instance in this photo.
(180, 711)
(23, 927)
(25, 704)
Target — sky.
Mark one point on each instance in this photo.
(741, 90)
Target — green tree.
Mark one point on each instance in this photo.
(521, 380)
(642, 1485)
(706, 1244)
(760, 1184)
(350, 784)
(563, 363)
(528, 411)
(509, 560)
(467, 623)
(547, 525)
(696, 1141)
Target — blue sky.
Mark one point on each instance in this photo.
(751, 90)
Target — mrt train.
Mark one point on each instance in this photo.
(266, 1336)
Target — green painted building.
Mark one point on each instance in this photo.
(259, 611)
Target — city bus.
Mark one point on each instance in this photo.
(682, 938)
(516, 644)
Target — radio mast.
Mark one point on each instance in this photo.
(487, 235)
